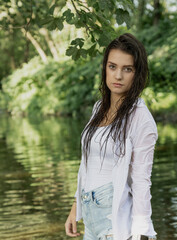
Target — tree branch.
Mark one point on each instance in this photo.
(86, 26)
(82, 4)
(31, 15)
(35, 44)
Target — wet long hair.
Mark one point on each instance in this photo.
(118, 128)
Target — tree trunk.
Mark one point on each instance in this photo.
(35, 44)
(50, 43)
(141, 9)
(157, 12)
(12, 62)
(26, 53)
(11, 50)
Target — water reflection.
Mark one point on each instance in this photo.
(164, 183)
(38, 168)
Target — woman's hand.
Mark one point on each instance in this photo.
(70, 224)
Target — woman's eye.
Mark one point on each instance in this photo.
(112, 66)
(127, 69)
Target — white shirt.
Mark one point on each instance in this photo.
(99, 166)
(131, 210)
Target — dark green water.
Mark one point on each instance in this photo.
(38, 168)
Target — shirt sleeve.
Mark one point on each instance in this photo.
(141, 167)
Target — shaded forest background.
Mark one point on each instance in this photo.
(51, 53)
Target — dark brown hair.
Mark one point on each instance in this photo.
(118, 128)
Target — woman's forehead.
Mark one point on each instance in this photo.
(119, 57)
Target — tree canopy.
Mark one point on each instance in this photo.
(96, 18)
(60, 32)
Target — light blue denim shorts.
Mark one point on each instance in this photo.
(97, 213)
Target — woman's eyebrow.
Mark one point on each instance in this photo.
(112, 63)
(128, 66)
(123, 66)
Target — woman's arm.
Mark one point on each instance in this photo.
(141, 166)
(71, 224)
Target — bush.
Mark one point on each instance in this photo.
(52, 88)
(161, 45)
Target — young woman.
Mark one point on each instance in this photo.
(113, 193)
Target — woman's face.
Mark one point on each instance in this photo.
(119, 72)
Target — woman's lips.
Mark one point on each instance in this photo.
(117, 85)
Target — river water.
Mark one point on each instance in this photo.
(39, 160)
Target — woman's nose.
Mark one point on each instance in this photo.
(118, 74)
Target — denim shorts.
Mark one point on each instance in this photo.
(97, 213)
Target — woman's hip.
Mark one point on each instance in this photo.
(97, 210)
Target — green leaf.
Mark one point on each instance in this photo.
(78, 23)
(68, 15)
(91, 17)
(83, 53)
(51, 10)
(127, 4)
(83, 16)
(70, 51)
(91, 50)
(102, 19)
(104, 39)
(78, 42)
(46, 20)
(76, 54)
(51, 26)
(59, 23)
(56, 23)
(122, 16)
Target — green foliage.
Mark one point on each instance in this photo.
(161, 44)
(53, 23)
(53, 88)
(85, 27)
(68, 16)
(96, 17)
(122, 16)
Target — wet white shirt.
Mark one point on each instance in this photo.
(99, 165)
(131, 211)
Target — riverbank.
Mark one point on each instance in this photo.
(159, 116)
(163, 106)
